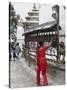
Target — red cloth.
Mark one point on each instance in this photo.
(45, 81)
(42, 65)
(41, 57)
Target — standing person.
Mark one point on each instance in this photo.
(18, 50)
(41, 65)
(14, 52)
(10, 56)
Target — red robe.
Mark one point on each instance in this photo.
(41, 57)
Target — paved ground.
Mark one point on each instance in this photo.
(23, 76)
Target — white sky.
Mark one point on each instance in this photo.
(45, 12)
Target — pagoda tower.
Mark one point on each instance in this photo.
(32, 19)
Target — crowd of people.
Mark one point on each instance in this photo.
(14, 50)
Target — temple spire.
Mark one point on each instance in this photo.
(34, 7)
(32, 19)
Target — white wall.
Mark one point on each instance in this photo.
(20, 38)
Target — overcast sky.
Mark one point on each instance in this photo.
(45, 12)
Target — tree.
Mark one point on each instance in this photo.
(13, 19)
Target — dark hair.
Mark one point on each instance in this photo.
(17, 44)
(41, 43)
(54, 43)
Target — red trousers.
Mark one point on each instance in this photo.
(45, 81)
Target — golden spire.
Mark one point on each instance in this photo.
(34, 6)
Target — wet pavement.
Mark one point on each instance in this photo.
(21, 75)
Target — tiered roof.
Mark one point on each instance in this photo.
(33, 17)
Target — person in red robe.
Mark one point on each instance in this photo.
(41, 63)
